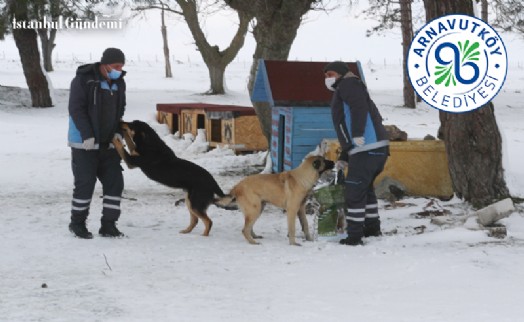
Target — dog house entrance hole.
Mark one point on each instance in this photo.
(201, 121)
(216, 130)
(174, 122)
(281, 141)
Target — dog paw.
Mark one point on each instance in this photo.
(294, 244)
(185, 231)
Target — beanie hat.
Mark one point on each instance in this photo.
(113, 55)
(337, 66)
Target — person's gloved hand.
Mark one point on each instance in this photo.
(340, 165)
(89, 144)
(359, 141)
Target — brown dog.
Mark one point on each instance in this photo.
(287, 190)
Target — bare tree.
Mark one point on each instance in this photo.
(473, 141)
(215, 59)
(509, 15)
(407, 35)
(166, 45)
(52, 10)
(48, 35)
(391, 14)
(163, 7)
(26, 42)
(385, 12)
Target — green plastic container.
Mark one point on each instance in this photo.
(330, 198)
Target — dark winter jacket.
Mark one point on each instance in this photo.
(356, 115)
(85, 104)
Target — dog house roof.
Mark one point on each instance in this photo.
(177, 107)
(294, 83)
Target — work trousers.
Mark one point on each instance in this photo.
(87, 166)
(361, 201)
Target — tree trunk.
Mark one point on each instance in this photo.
(27, 44)
(216, 76)
(473, 141)
(484, 10)
(166, 46)
(407, 37)
(275, 31)
(274, 40)
(48, 44)
(474, 148)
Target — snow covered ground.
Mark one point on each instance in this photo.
(418, 271)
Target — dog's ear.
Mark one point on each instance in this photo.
(317, 163)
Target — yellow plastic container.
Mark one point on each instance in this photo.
(420, 165)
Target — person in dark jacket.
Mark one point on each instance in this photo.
(97, 102)
(364, 143)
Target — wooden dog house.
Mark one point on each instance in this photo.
(232, 125)
(300, 103)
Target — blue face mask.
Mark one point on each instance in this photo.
(114, 74)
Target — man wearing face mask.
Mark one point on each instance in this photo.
(364, 144)
(97, 102)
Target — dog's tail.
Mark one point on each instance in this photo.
(217, 190)
(227, 202)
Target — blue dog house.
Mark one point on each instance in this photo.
(300, 104)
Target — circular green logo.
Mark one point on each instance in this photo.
(457, 63)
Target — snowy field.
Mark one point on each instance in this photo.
(418, 271)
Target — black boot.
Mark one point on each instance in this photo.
(372, 228)
(372, 232)
(355, 231)
(351, 241)
(109, 229)
(80, 230)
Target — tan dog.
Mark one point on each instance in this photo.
(287, 190)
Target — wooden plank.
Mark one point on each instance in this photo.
(249, 133)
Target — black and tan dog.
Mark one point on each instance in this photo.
(159, 163)
(287, 190)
